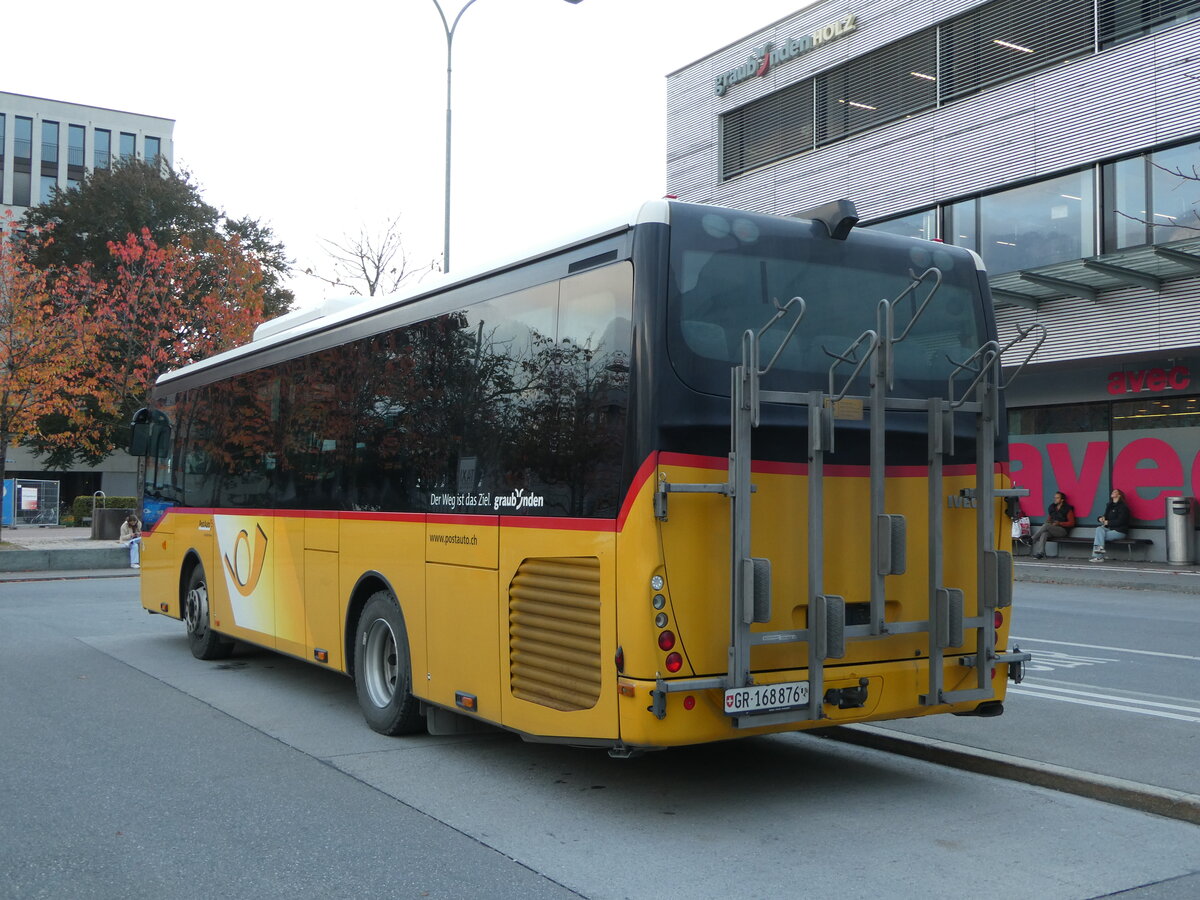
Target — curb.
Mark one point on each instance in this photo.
(47, 560)
(1117, 791)
(1112, 575)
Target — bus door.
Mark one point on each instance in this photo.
(462, 614)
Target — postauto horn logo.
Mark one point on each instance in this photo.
(245, 569)
(242, 549)
(768, 55)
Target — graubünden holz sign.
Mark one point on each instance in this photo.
(760, 62)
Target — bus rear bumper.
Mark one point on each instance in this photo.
(677, 712)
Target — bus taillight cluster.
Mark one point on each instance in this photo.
(666, 639)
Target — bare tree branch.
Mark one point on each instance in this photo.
(371, 262)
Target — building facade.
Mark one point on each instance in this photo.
(1060, 141)
(48, 144)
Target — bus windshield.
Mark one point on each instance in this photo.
(729, 268)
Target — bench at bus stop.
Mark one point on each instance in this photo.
(1084, 537)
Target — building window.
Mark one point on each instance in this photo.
(1126, 205)
(153, 148)
(128, 145)
(1006, 39)
(772, 128)
(962, 224)
(919, 225)
(75, 155)
(103, 148)
(892, 82)
(22, 185)
(48, 184)
(1156, 412)
(1175, 193)
(1076, 418)
(50, 143)
(1125, 19)
(23, 138)
(1037, 224)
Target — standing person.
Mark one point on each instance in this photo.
(1060, 519)
(131, 534)
(1114, 524)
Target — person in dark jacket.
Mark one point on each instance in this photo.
(1060, 519)
(1114, 524)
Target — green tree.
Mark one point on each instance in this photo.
(132, 196)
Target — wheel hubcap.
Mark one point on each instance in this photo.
(380, 668)
(196, 610)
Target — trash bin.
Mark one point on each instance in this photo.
(1181, 529)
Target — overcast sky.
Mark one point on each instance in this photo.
(320, 119)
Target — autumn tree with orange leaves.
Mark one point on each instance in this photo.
(164, 308)
(48, 348)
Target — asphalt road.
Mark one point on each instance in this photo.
(1113, 687)
(132, 770)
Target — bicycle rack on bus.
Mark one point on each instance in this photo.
(827, 631)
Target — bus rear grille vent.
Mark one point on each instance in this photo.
(554, 632)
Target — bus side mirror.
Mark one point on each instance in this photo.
(150, 434)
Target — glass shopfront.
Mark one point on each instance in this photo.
(1144, 439)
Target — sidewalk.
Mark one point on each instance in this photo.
(51, 549)
(1116, 573)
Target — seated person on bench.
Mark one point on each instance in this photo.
(1114, 524)
(1060, 519)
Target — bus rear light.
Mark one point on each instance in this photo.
(165, 607)
(998, 619)
(689, 702)
(656, 583)
(674, 662)
(661, 620)
(666, 640)
(320, 655)
(620, 659)
(659, 601)
(625, 689)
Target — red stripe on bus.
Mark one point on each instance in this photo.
(559, 524)
(644, 473)
(446, 519)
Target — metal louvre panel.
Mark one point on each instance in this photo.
(1005, 38)
(1177, 88)
(1095, 107)
(1132, 319)
(554, 632)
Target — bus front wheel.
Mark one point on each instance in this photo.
(382, 670)
(202, 640)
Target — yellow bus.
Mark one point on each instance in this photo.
(705, 474)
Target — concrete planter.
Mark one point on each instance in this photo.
(106, 523)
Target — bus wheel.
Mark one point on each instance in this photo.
(382, 671)
(203, 641)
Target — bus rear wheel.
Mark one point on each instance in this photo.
(382, 669)
(202, 640)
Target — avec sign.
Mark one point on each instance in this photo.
(1156, 380)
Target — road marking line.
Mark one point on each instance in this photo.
(1062, 690)
(1113, 649)
(1116, 706)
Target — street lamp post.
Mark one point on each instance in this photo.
(450, 28)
